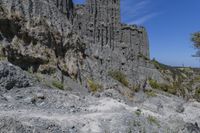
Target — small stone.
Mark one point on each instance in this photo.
(180, 108)
(40, 96)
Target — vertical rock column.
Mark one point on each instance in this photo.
(67, 7)
(104, 20)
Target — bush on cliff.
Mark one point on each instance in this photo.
(172, 89)
(94, 86)
(119, 76)
(58, 84)
(197, 94)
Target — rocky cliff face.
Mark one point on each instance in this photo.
(80, 41)
(66, 7)
(112, 45)
(36, 35)
(77, 68)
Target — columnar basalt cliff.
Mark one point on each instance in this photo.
(100, 21)
(82, 41)
(114, 45)
(67, 7)
(78, 69)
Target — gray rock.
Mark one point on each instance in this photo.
(191, 128)
(76, 44)
(12, 76)
(180, 108)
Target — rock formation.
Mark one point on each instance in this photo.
(77, 69)
(67, 7)
(36, 35)
(81, 41)
(98, 22)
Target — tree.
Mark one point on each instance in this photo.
(196, 43)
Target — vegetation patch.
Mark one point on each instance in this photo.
(30, 70)
(138, 112)
(119, 76)
(135, 88)
(58, 84)
(196, 79)
(172, 89)
(143, 56)
(154, 84)
(2, 56)
(152, 120)
(150, 93)
(160, 66)
(197, 94)
(94, 86)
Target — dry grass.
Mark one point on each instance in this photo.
(119, 76)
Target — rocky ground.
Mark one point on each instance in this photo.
(28, 106)
(53, 80)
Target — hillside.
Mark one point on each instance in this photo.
(76, 68)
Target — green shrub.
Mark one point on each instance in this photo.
(93, 86)
(154, 84)
(136, 88)
(38, 76)
(2, 56)
(58, 84)
(138, 112)
(30, 70)
(196, 79)
(197, 94)
(153, 120)
(150, 93)
(119, 76)
(172, 89)
(143, 56)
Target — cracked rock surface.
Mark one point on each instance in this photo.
(38, 108)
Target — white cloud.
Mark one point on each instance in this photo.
(137, 11)
(143, 19)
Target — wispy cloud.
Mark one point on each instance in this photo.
(143, 19)
(137, 11)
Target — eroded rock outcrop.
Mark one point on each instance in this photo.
(81, 41)
(13, 77)
(112, 45)
(37, 35)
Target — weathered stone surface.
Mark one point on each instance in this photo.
(111, 44)
(12, 76)
(66, 7)
(41, 36)
(100, 22)
(66, 45)
(37, 35)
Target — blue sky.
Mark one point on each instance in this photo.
(169, 24)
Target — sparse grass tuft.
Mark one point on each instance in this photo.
(93, 86)
(119, 76)
(196, 79)
(136, 88)
(150, 93)
(138, 112)
(197, 94)
(172, 89)
(153, 120)
(143, 56)
(2, 56)
(30, 70)
(154, 84)
(58, 84)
